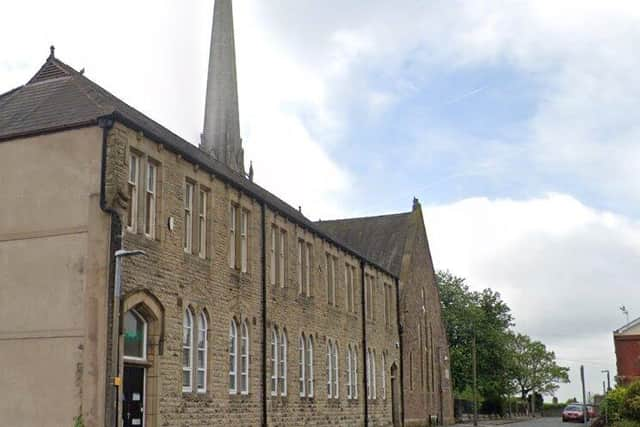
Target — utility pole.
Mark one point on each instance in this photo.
(475, 380)
(533, 393)
(606, 392)
(584, 395)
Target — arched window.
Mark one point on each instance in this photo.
(373, 374)
(244, 356)
(302, 352)
(187, 351)
(283, 364)
(349, 373)
(329, 369)
(368, 373)
(336, 382)
(233, 357)
(135, 336)
(201, 383)
(309, 372)
(355, 372)
(384, 376)
(274, 362)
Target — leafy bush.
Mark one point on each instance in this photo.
(78, 421)
(631, 403)
(626, 423)
(612, 403)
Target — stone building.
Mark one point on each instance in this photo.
(240, 311)
(399, 243)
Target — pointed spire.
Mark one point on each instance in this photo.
(221, 135)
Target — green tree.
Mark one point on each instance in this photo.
(533, 367)
(467, 313)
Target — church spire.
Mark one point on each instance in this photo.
(221, 135)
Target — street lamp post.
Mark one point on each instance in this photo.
(608, 379)
(115, 327)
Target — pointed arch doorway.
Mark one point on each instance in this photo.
(135, 330)
(140, 347)
(395, 396)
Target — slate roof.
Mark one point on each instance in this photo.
(379, 238)
(58, 97)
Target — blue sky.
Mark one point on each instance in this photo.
(516, 123)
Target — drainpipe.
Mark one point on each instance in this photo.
(364, 346)
(115, 244)
(400, 333)
(264, 313)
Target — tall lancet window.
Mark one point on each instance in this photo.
(187, 351)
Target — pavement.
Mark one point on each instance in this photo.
(524, 422)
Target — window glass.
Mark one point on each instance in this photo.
(283, 364)
(329, 369)
(150, 201)
(233, 357)
(202, 224)
(302, 365)
(188, 216)
(349, 374)
(335, 378)
(274, 362)
(202, 353)
(187, 350)
(132, 211)
(233, 212)
(135, 335)
(309, 372)
(244, 224)
(281, 258)
(244, 365)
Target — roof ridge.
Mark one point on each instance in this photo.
(364, 217)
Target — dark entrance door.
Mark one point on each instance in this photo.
(395, 396)
(133, 397)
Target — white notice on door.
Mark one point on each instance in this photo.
(136, 422)
(136, 397)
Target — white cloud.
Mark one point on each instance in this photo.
(155, 57)
(580, 55)
(564, 268)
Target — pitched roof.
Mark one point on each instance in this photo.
(380, 238)
(629, 326)
(59, 97)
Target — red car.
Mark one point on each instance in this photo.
(573, 413)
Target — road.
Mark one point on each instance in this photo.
(546, 422)
(536, 422)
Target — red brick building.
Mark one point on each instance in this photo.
(627, 343)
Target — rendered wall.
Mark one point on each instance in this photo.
(51, 308)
